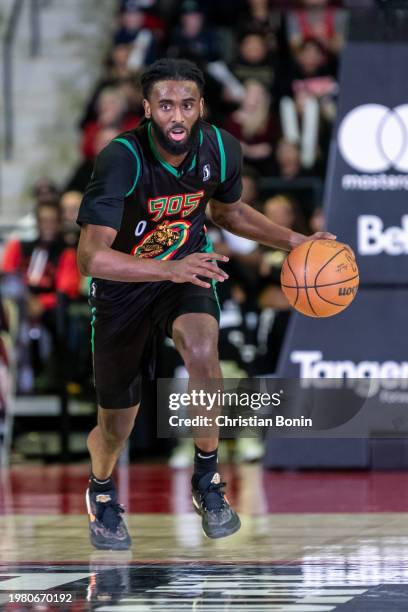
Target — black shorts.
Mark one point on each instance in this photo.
(125, 326)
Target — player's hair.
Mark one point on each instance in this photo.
(171, 70)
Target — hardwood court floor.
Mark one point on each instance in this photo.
(309, 542)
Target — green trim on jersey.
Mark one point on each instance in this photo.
(209, 248)
(134, 152)
(163, 162)
(93, 319)
(223, 172)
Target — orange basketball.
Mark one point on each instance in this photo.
(320, 277)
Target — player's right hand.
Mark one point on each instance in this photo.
(188, 270)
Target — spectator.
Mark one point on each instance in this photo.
(45, 191)
(244, 254)
(284, 210)
(153, 19)
(116, 70)
(46, 268)
(75, 315)
(254, 125)
(254, 60)
(289, 168)
(6, 383)
(250, 189)
(279, 209)
(317, 220)
(308, 107)
(117, 63)
(148, 5)
(136, 21)
(130, 89)
(45, 264)
(111, 113)
(192, 37)
(135, 30)
(69, 204)
(82, 173)
(275, 310)
(223, 91)
(310, 64)
(132, 20)
(288, 160)
(319, 21)
(258, 16)
(219, 13)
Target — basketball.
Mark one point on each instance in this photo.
(320, 277)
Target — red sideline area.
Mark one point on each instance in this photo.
(156, 488)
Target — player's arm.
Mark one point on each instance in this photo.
(96, 258)
(243, 220)
(229, 212)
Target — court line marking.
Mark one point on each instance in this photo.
(278, 608)
(261, 590)
(40, 582)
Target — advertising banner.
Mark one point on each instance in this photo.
(367, 183)
(366, 346)
(367, 339)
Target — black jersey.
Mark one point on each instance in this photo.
(159, 210)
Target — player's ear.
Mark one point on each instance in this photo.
(201, 108)
(147, 109)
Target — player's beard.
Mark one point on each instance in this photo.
(176, 148)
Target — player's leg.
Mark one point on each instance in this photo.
(196, 338)
(105, 443)
(108, 437)
(195, 335)
(120, 336)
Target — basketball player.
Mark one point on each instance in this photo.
(144, 243)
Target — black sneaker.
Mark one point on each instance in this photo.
(107, 528)
(218, 518)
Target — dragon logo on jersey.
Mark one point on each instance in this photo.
(163, 241)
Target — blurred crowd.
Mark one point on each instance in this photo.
(271, 80)
(45, 297)
(270, 77)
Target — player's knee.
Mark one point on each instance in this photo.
(201, 358)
